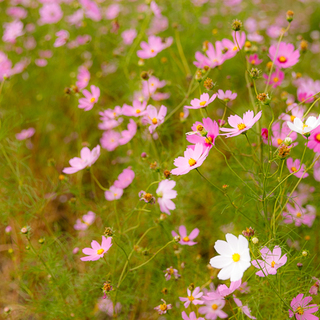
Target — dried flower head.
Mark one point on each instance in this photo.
(167, 173)
(249, 232)
(284, 151)
(108, 232)
(208, 84)
(255, 73)
(304, 45)
(236, 25)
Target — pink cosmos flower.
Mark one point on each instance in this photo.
(63, 37)
(244, 288)
(314, 140)
(299, 215)
(193, 158)
(150, 86)
(87, 159)
(286, 56)
(271, 261)
(294, 167)
(153, 47)
(240, 125)
(127, 135)
(91, 10)
(128, 36)
(265, 135)
(302, 310)
(17, 12)
(192, 316)
(226, 96)
(165, 193)
(184, 238)
(125, 178)
(147, 197)
(170, 272)
(85, 221)
(12, 31)
(110, 140)
(105, 305)
(213, 309)
(25, 134)
(112, 11)
(204, 101)
(76, 18)
(90, 99)
(193, 297)
(41, 62)
(314, 289)
(224, 291)
(280, 133)
(136, 110)
(163, 308)
(239, 39)
(83, 77)
(113, 193)
(244, 309)
(50, 13)
(154, 117)
(254, 59)
(296, 112)
(155, 9)
(275, 79)
(97, 251)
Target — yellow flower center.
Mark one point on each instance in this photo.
(92, 100)
(236, 257)
(100, 251)
(292, 118)
(186, 239)
(200, 127)
(181, 114)
(304, 126)
(273, 264)
(152, 51)
(275, 79)
(293, 169)
(208, 140)
(299, 310)
(154, 120)
(235, 48)
(138, 111)
(191, 298)
(202, 103)
(282, 59)
(299, 214)
(152, 84)
(241, 126)
(318, 137)
(171, 271)
(192, 162)
(279, 141)
(163, 307)
(214, 306)
(253, 61)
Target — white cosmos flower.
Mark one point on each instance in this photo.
(234, 257)
(303, 128)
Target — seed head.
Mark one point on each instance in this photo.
(208, 84)
(236, 25)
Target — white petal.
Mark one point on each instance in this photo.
(223, 248)
(226, 272)
(233, 242)
(220, 262)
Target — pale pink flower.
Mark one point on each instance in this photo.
(294, 167)
(113, 11)
(204, 101)
(184, 238)
(224, 291)
(314, 289)
(110, 140)
(50, 13)
(127, 135)
(240, 125)
(193, 297)
(85, 221)
(192, 316)
(270, 262)
(83, 77)
(87, 159)
(136, 110)
(62, 38)
(76, 18)
(25, 134)
(154, 117)
(90, 99)
(91, 10)
(153, 47)
(155, 9)
(301, 309)
(296, 112)
(192, 159)
(113, 193)
(170, 272)
(280, 133)
(12, 31)
(244, 309)
(105, 305)
(226, 96)
(163, 308)
(128, 36)
(276, 78)
(41, 62)
(165, 193)
(125, 178)
(97, 251)
(299, 215)
(239, 39)
(285, 56)
(17, 12)
(213, 309)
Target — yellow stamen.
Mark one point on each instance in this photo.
(241, 126)
(275, 79)
(236, 257)
(138, 111)
(100, 251)
(181, 114)
(152, 51)
(163, 307)
(318, 137)
(192, 162)
(292, 118)
(154, 120)
(299, 310)
(272, 264)
(200, 127)
(279, 141)
(253, 61)
(202, 103)
(299, 214)
(186, 239)
(191, 298)
(214, 307)
(208, 140)
(282, 59)
(171, 271)
(294, 169)
(152, 84)
(235, 48)
(92, 100)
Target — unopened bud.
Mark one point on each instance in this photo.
(249, 232)
(25, 230)
(255, 240)
(144, 75)
(264, 98)
(290, 15)
(208, 84)
(236, 25)
(191, 286)
(108, 232)
(299, 265)
(304, 45)
(167, 173)
(198, 76)
(177, 238)
(164, 291)
(304, 253)
(41, 240)
(205, 46)
(143, 155)
(255, 73)
(287, 141)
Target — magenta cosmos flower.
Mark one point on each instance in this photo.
(193, 158)
(85, 221)
(165, 193)
(192, 316)
(202, 102)
(87, 159)
(301, 309)
(286, 56)
(294, 167)
(240, 125)
(90, 99)
(271, 261)
(193, 297)
(184, 238)
(314, 140)
(207, 125)
(97, 251)
(226, 96)
(254, 59)
(275, 79)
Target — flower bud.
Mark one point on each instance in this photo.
(25, 230)
(198, 76)
(167, 173)
(290, 15)
(143, 155)
(249, 232)
(287, 141)
(108, 232)
(144, 75)
(304, 45)
(299, 265)
(41, 240)
(255, 240)
(236, 25)
(177, 238)
(208, 84)
(255, 73)
(304, 253)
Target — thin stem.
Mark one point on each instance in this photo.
(181, 53)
